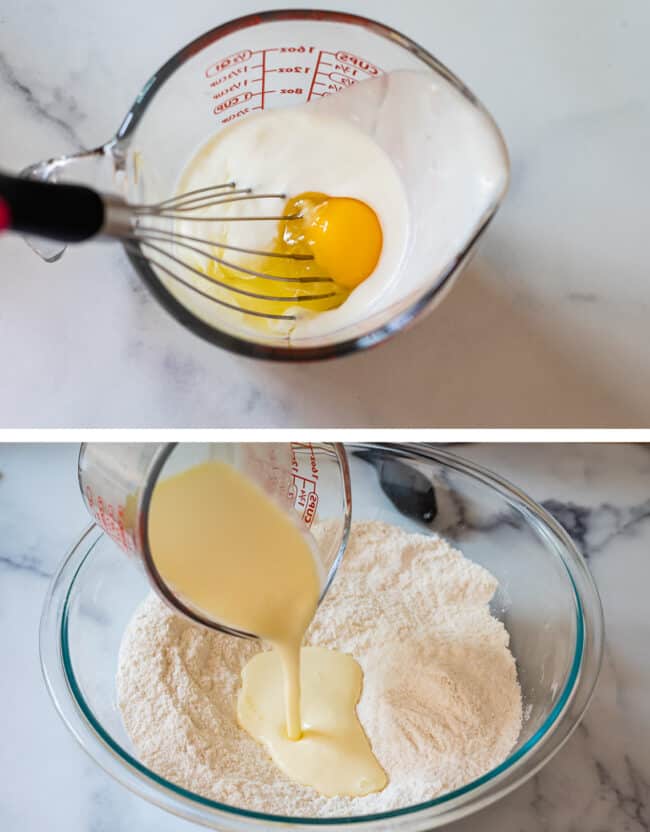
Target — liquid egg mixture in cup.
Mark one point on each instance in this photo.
(436, 677)
(320, 179)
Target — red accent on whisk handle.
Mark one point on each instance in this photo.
(5, 215)
(70, 213)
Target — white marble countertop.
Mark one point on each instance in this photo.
(548, 327)
(599, 781)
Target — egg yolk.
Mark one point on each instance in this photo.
(342, 238)
(343, 234)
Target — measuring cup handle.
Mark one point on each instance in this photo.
(70, 213)
(94, 168)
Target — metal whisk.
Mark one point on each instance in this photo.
(74, 213)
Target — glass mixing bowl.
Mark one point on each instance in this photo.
(546, 599)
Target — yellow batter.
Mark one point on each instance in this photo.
(334, 754)
(230, 553)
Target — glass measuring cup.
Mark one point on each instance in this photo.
(287, 58)
(310, 481)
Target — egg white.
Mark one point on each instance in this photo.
(289, 151)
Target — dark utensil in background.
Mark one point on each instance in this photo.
(410, 491)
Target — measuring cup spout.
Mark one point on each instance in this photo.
(98, 168)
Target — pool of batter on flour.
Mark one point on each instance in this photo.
(400, 601)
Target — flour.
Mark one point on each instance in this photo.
(441, 703)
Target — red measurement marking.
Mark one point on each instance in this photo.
(234, 101)
(233, 88)
(347, 69)
(302, 491)
(120, 519)
(310, 511)
(229, 76)
(302, 494)
(341, 80)
(313, 460)
(238, 114)
(110, 519)
(236, 58)
(331, 72)
(364, 66)
(302, 487)
(313, 80)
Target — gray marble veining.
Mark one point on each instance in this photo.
(598, 782)
(39, 109)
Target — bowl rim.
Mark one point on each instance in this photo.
(66, 694)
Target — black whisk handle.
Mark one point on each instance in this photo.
(70, 213)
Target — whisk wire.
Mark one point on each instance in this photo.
(184, 196)
(137, 253)
(191, 207)
(195, 202)
(180, 240)
(236, 289)
(173, 237)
